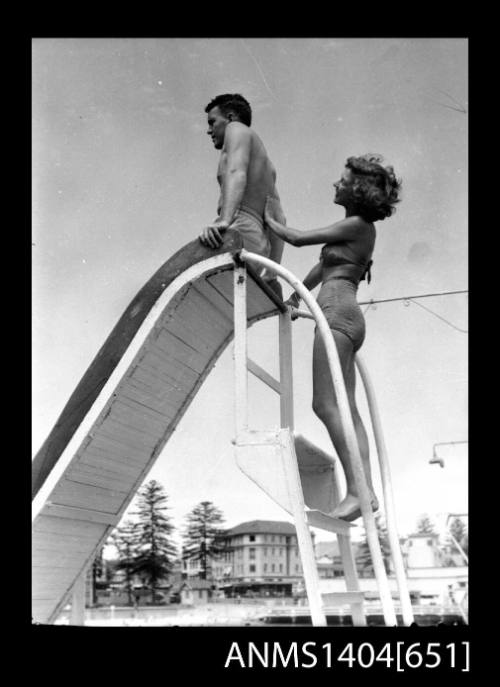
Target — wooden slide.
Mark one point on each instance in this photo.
(126, 406)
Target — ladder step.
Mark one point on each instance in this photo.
(317, 518)
(317, 475)
(341, 598)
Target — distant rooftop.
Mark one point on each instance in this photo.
(262, 526)
(327, 548)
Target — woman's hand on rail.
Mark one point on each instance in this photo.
(293, 300)
(293, 304)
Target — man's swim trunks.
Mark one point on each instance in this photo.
(255, 235)
(250, 226)
(337, 300)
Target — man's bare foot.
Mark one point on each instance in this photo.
(349, 509)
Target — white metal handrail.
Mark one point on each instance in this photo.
(397, 558)
(390, 513)
(347, 423)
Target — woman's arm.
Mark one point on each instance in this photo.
(310, 281)
(345, 230)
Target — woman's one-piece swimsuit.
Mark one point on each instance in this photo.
(337, 297)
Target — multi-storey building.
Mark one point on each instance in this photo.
(262, 558)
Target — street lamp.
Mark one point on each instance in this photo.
(435, 458)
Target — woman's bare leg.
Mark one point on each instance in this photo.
(326, 408)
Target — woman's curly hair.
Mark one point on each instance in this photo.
(375, 188)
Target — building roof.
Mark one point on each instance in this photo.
(327, 548)
(262, 526)
(324, 562)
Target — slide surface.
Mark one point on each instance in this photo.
(126, 406)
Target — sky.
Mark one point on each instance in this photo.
(124, 175)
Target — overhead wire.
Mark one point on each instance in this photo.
(463, 331)
(407, 298)
(413, 299)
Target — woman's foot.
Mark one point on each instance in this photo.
(349, 509)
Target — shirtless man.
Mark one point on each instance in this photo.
(246, 177)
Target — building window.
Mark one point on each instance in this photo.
(265, 550)
(272, 551)
(297, 568)
(251, 537)
(265, 567)
(251, 553)
(429, 542)
(252, 568)
(272, 567)
(281, 550)
(281, 567)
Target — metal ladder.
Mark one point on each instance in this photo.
(299, 476)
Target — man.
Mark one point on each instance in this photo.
(246, 177)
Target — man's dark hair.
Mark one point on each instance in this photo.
(235, 103)
(375, 188)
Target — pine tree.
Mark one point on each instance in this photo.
(155, 549)
(203, 537)
(425, 525)
(363, 556)
(458, 530)
(125, 540)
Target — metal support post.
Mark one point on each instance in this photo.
(286, 375)
(350, 572)
(240, 349)
(347, 423)
(78, 600)
(304, 539)
(390, 513)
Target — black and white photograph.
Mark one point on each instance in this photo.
(250, 337)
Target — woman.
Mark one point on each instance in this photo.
(368, 191)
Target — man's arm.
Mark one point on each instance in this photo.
(237, 145)
(277, 247)
(277, 243)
